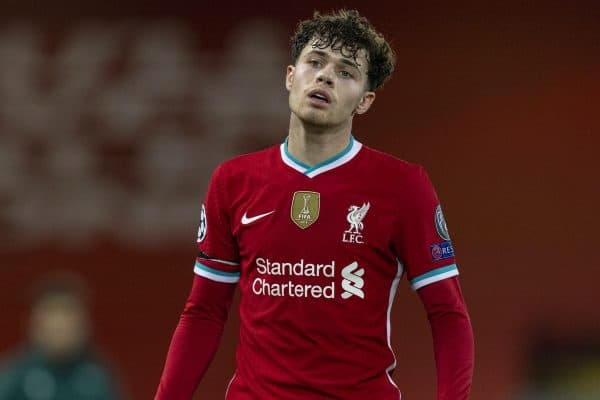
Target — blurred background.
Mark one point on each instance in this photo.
(113, 115)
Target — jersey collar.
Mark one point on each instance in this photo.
(339, 159)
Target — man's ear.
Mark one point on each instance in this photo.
(289, 77)
(366, 101)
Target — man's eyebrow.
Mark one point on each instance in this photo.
(343, 59)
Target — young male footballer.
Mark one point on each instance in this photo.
(317, 233)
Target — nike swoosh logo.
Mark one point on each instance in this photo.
(248, 220)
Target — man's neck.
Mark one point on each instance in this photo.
(313, 144)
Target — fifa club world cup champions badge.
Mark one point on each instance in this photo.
(305, 208)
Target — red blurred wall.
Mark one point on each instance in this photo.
(499, 103)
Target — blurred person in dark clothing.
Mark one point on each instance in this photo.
(58, 361)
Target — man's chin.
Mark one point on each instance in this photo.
(316, 119)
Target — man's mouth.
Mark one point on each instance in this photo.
(320, 96)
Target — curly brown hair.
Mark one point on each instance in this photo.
(348, 32)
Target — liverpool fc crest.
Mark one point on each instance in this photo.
(355, 217)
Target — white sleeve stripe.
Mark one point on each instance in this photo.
(235, 264)
(444, 273)
(208, 273)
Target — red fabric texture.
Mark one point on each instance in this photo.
(196, 338)
(200, 328)
(452, 338)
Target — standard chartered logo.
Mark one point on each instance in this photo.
(353, 281)
(306, 279)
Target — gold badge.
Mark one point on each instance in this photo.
(305, 208)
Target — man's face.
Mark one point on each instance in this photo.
(326, 89)
(59, 326)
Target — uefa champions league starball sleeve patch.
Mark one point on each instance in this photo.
(203, 225)
(440, 223)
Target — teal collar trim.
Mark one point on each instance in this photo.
(341, 158)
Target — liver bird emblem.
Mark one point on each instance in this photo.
(355, 217)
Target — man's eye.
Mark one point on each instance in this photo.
(346, 74)
(314, 63)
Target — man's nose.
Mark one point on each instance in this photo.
(325, 75)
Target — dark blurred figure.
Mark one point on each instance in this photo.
(565, 367)
(58, 362)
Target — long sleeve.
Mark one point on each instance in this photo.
(452, 338)
(196, 338)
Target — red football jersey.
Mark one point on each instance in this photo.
(318, 253)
